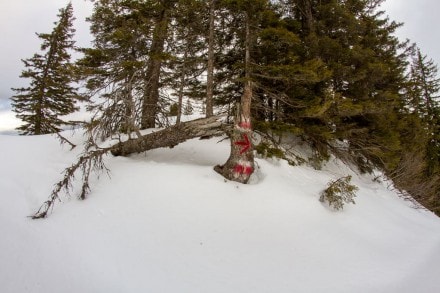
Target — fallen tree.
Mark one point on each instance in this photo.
(172, 136)
(91, 160)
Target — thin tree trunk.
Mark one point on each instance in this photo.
(240, 164)
(210, 74)
(181, 87)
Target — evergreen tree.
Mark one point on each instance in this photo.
(50, 93)
(161, 11)
(114, 68)
(355, 73)
(240, 164)
(187, 50)
(423, 98)
(126, 62)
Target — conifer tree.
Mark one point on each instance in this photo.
(161, 18)
(187, 46)
(50, 93)
(240, 164)
(424, 100)
(114, 68)
(125, 65)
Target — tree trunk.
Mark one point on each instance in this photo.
(181, 87)
(151, 94)
(172, 136)
(308, 17)
(210, 73)
(240, 164)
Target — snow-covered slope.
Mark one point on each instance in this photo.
(166, 222)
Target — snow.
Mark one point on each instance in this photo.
(8, 121)
(164, 221)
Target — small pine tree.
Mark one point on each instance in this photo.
(50, 93)
(339, 192)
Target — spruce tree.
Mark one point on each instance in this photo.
(424, 100)
(50, 94)
(125, 65)
(240, 164)
(187, 45)
(114, 68)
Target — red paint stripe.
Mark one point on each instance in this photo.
(240, 169)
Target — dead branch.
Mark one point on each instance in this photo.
(91, 160)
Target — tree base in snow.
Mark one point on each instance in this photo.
(240, 164)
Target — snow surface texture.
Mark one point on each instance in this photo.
(166, 222)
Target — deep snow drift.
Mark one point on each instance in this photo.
(166, 222)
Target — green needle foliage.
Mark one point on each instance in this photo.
(339, 192)
(50, 93)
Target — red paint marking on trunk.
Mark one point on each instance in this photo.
(248, 170)
(245, 144)
(245, 125)
(240, 169)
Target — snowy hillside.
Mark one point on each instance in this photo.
(166, 222)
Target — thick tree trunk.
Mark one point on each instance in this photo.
(172, 136)
(240, 164)
(151, 94)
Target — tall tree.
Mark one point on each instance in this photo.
(114, 67)
(126, 62)
(161, 19)
(50, 93)
(187, 48)
(240, 164)
(424, 100)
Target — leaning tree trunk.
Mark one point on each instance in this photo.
(240, 164)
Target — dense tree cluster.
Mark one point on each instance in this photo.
(329, 71)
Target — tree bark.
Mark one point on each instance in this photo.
(240, 164)
(210, 69)
(151, 94)
(181, 87)
(172, 136)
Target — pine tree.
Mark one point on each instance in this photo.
(240, 164)
(187, 44)
(114, 68)
(424, 100)
(50, 93)
(125, 65)
(161, 18)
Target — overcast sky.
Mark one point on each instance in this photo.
(20, 19)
